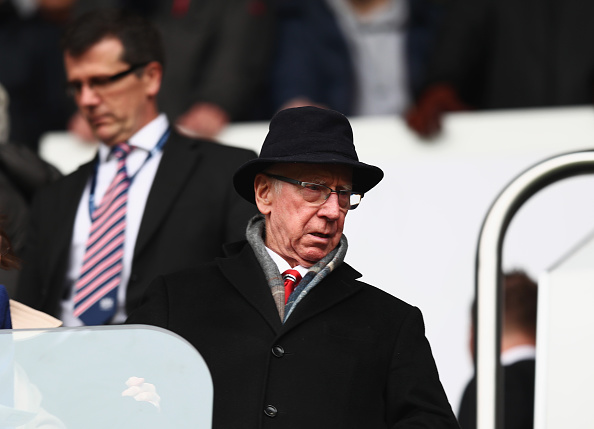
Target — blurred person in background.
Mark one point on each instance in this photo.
(217, 57)
(8, 260)
(22, 173)
(360, 57)
(32, 70)
(508, 54)
(518, 352)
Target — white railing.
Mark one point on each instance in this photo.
(488, 274)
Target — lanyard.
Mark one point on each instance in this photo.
(154, 150)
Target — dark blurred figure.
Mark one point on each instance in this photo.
(217, 56)
(22, 172)
(7, 262)
(518, 350)
(32, 70)
(360, 57)
(505, 54)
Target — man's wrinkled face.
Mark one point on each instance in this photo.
(117, 109)
(299, 231)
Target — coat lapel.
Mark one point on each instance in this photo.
(336, 287)
(244, 272)
(64, 215)
(180, 156)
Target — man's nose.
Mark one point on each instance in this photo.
(330, 209)
(87, 96)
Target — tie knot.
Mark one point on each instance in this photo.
(121, 150)
(292, 276)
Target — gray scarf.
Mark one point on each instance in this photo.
(255, 232)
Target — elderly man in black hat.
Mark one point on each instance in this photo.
(312, 347)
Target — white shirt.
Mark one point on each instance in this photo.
(376, 42)
(143, 142)
(284, 265)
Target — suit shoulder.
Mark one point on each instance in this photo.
(218, 150)
(66, 184)
(387, 298)
(348, 273)
(384, 302)
(228, 151)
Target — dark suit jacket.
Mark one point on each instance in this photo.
(191, 211)
(350, 355)
(518, 403)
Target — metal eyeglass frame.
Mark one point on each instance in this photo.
(306, 184)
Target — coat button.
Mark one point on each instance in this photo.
(278, 351)
(270, 411)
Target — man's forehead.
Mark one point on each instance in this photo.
(107, 51)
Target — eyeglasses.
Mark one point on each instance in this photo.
(318, 194)
(100, 82)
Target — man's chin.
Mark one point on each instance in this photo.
(313, 256)
(105, 135)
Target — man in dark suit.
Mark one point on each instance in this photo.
(332, 352)
(518, 342)
(165, 201)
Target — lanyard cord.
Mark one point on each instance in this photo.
(154, 150)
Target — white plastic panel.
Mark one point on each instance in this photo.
(102, 377)
(565, 343)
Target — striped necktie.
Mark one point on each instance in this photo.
(95, 293)
(291, 278)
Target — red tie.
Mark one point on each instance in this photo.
(292, 278)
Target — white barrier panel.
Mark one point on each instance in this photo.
(130, 376)
(422, 221)
(565, 352)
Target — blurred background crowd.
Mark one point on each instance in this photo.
(242, 60)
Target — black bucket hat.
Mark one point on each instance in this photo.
(307, 135)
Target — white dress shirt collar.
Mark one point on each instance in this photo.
(284, 265)
(518, 353)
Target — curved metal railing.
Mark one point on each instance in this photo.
(488, 274)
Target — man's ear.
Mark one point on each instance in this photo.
(264, 193)
(153, 74)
